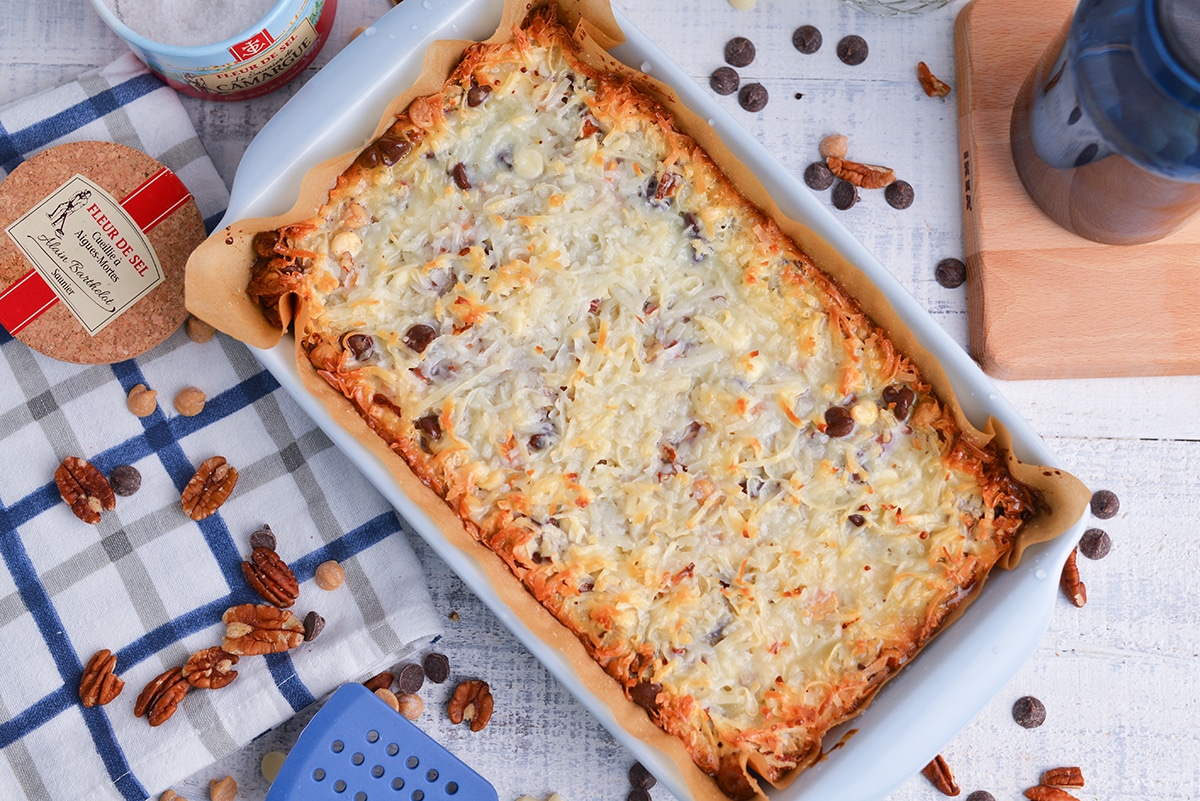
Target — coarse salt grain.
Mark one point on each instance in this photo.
(189, 23)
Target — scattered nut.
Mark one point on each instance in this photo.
(834, 146)
(142, 401)
(222, 789)
(1044, 793)
(190, 401)
(330, 575)
(210, 669)
(100, 683)
(198, 330)
(410, 705)
(1063, 777)
(1072, 586)
(867, 176)
(171, 795)
(940, 776)
(388, 697)
(933, 85)
(84, 489)
(160, 698)
(252, 629)
(269, 576)
(472, 702)
(379, 681)
(210, 487)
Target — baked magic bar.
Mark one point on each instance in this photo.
(689, 445)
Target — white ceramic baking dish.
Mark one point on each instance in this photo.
(952, 679)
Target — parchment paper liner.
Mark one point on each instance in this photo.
(219, 270)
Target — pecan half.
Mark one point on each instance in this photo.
(472, 702)
(269, 576)
(867, 176)
(933, 85)
(222, 789)
(210, 669)
(100, 683)
(161, 697)
(1072, 586)
(380, 681)
(1044, 793)
(84, 488)
(211, 485)
(253, 629)
(1063, 777)
(940, 776)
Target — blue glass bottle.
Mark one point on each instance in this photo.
(1106, 128)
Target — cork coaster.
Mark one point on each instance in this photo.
(84, 280)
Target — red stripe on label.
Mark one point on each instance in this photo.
(24, 301)
(156, 199)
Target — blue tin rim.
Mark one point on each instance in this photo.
(1160, 63)
(149, 46)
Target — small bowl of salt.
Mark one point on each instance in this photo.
(222, 49)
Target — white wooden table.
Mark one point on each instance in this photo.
(1120, 677)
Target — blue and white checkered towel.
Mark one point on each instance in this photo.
(148, 583)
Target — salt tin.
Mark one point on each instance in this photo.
(254, 62)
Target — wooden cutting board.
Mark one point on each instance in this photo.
(1043, 302)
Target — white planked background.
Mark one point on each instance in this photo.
(1121, 677)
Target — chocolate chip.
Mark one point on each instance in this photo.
(125, 480)
(845, 195)
(981, 795)
(818, 176)
(838, 422)
(1105, 504)
(739, 51)
(1029, 712)
(899, 398)
(645, 695)
(437, 667)
(392, 150)
(753, 97)
(361, 345)
(852, 50)
(477, 94)
(419, 336)
(313, 624)
(807, 39)
(430, 426)
(263, 538)
(1095, 543)
(460, 176)
(638, 794)
(412, 676)
(951, 273)
(857, 520)
(724, 80)
(538, 441)
(640, 778)
(899, 194)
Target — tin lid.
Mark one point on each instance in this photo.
(96, 238)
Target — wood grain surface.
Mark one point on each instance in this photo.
(1120, 677)
(1045, 302)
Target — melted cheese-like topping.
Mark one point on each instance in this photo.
(626, 395)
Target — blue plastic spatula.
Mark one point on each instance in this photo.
(357, 748)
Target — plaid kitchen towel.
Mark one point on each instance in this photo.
(147, 582)
(120, 103)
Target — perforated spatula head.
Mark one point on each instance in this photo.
(357, 748)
